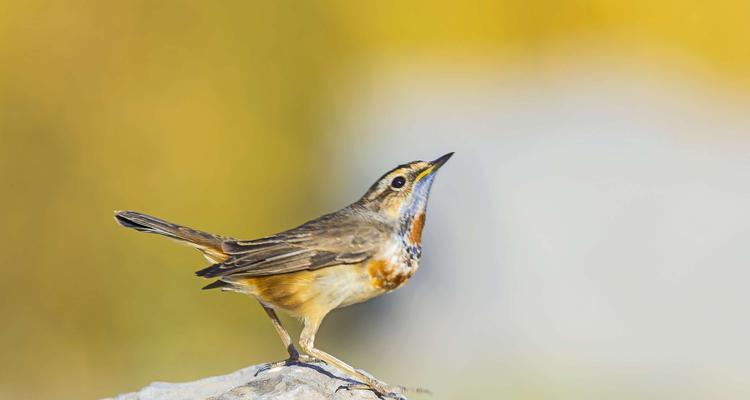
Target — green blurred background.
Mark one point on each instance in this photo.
(218, 115)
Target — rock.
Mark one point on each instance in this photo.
(292, 382)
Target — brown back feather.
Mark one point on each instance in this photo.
(348, 236)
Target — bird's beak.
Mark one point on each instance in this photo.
(440, 161)
(434, 166)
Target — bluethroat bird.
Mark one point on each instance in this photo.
(364, 250)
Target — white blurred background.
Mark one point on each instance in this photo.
(589, 239)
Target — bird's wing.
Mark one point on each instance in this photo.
(339, 238)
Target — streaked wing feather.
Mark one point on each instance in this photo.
(330, 240)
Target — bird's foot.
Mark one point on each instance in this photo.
(292, 360)
(382, 389)
(383, 392)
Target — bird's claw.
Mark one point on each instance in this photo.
(382, 391)
(299, 359)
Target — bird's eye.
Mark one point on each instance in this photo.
(398, 182)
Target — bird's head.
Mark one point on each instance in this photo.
(401, 194)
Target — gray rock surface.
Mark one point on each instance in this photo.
(293, 382)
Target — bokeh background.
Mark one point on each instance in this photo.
(590, 239)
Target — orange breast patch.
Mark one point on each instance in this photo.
(387, 276)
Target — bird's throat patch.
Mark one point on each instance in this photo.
(415, 231)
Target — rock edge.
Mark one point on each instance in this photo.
(298, 381)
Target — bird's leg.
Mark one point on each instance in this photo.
(283, 334)
(307, 342)
(294, 355)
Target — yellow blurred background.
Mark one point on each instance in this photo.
(245, 118)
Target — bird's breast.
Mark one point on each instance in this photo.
(390, 274)
(315, 292)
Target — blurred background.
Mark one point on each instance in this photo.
(589, 239)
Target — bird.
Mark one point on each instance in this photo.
(366, 249)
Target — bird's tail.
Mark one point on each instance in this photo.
(209, 244)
